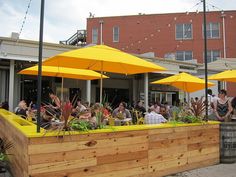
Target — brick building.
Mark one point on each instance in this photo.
(173, 35)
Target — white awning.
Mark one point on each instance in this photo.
(222, 64)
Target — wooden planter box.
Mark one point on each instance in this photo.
(154, 150)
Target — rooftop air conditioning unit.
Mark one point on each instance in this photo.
(15, 35)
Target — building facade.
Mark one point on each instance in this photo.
(178, 36)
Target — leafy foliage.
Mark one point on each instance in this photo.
(80, 125)
(190, 114)
(4, 146)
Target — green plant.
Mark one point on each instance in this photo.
(80, 125)
(5, 145)
(189, 114)
(191, 119)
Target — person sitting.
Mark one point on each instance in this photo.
(22, 109)
(156, 107)
(107, 110)
(139, 107)
(121, 112)
(80, 107)
(89, 115)
(222, 107)
(4, 105)
(164, 112)
(153, 118)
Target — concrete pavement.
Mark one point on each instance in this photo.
(220, 170)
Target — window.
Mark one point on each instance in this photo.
(183, 31)
(212, 55)
(116, 33)
(94, 35)
(212, 30)
(184, 55)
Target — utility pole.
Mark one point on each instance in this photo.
(39, 90)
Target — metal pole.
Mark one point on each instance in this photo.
(101, 23)
(62, 89)
(146, 91)
(101, 84)
(224, 43)
(223, 23)
(40, 67)
(101, 81)
(205, 56)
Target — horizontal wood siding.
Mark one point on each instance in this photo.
(19, 159)
(153, 152)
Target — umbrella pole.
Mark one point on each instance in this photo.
(101, 84)
(188, 98)
(62, 88)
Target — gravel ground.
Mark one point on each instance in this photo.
(221, 170)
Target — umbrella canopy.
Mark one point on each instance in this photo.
(102, 58)
(228, 76)
(63, 72)
(185, 82)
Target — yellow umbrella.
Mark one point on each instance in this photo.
(63, 72)
(102, 58)
(228, 76)
(185, 82)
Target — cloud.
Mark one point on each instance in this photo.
(9, 19)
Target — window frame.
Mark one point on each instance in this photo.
(113, 34)
(93, 40)
(183, 33)
(212, 58)
(211, 24)
(184, 54)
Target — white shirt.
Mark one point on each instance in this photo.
(211, 100)
(154, 118)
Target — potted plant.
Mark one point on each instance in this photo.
(4, 146)
(190, 114)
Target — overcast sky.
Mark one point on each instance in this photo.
(64, 17)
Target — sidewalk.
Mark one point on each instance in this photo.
(221, 170)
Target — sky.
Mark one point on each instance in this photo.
(63, 17)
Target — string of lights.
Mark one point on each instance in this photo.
(135, 45)
(159, 29)
(24, 19)
(208, 4)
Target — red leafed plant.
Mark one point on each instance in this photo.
(63, 124)
(66, 110)
(198, 107)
